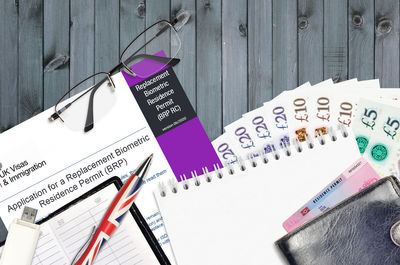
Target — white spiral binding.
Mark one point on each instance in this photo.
(173, 185)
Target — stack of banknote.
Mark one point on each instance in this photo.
(310, 111)
(373, 113)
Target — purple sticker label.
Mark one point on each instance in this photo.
(172, 118)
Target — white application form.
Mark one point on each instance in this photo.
(46, 165)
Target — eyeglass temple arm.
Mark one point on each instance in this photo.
(57, 113)
(89, 117)
(173, 22)
(165, 60)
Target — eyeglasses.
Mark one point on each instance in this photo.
(161, 36)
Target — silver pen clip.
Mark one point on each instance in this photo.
(83, 248)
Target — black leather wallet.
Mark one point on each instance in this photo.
(362, 230)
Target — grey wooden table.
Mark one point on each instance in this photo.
(236, 54)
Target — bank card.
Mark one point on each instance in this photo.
(357, 177)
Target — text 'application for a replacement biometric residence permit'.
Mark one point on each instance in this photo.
(46, 164)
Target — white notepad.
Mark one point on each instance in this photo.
(63, 235)
(237, 218)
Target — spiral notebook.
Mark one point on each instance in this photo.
(235, 214)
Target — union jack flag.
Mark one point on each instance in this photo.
(112, 219)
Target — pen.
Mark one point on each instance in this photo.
(116, 211)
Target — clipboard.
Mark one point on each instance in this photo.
(135, 213)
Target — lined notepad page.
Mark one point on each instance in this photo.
(63, 235)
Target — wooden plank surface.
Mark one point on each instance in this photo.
(284, 45)
(156, 11)
(361, 39)
(208, 67)
(310, 24)
(234, 60)
(82, 47)
(56, 51)
(132, 21)
(30, 72)
(106, 40)
(335, 40)
(235, 55)
(387, 42)
(9, 71)
(186, 69)
(259, 52)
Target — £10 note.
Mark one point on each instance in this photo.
(357, 177)
(322, 107)
(347, 98)
(298, 112)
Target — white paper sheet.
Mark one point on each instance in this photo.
(57, 165)
(63, 235)
(237, 219)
